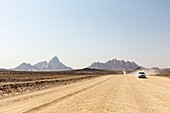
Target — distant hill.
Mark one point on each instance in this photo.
(115, 65)
(165, 71)
(53, 65)
(2, 69)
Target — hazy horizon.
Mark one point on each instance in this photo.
(82, 32)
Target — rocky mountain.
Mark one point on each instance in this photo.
(25, 67)
(53, 65)
(115, 65)
(41, 65)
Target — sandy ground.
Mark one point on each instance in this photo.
(105, 94)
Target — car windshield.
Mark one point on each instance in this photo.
(141, 73)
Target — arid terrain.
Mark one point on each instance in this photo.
(83, 92)
(15, 82)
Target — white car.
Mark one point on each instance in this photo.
(141, 75)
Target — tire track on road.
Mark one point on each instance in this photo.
(65, 97)
(90, 101)
(138, 97)
(144, 92)
(161, 95)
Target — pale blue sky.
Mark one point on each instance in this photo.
(80, 32)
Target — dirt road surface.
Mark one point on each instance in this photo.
(106, 94)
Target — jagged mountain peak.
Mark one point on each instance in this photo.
(55, 59)
(114, 64)
(55, 64)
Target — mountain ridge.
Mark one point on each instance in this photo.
(115, 64)
(53, 65)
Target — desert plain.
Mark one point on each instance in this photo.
(83, 91)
